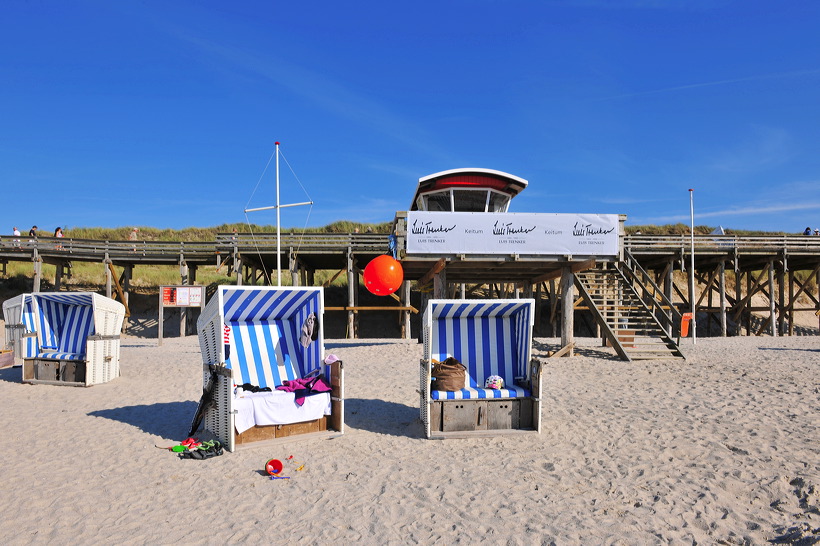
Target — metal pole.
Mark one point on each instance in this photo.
(278, 234)
(692, 264)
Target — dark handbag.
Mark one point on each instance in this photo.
(448, 375)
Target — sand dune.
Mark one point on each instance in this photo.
(722, 448)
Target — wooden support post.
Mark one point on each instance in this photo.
(567, 309)
(38, 271)
(538, 308)
(781, 300)
(127, 274)
(405, 315)
(527, 291)
(359, 275)
(352, 285)
(293, 266)
(739, 298)
(108, 277)
(237, 268)
(715, 275)
(553, 309)
(183, 311)
(772, 310)
(58, 276)
(440, 284)
(722, 287)
(791, 303)
(668, 282)
(749, 297)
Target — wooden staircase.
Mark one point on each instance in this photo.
(628, 322)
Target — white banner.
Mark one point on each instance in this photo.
(512, 233)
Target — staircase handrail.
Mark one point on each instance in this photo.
(634, 268)
(607, 330)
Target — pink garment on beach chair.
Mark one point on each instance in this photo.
(303, 387)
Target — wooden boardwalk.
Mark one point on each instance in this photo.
(782, 270)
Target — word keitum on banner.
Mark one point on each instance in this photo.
(512, 233)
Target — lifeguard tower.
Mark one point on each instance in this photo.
(459, 231)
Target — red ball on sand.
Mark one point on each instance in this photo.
(383, 275)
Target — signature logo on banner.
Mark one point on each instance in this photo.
(507, 228)
(427, 228)
(585, 230)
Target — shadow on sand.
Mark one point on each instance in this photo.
(11, 375)
(383, 417)
(591, 352)
(166, 419)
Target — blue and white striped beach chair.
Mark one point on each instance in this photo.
(263, 336)
(490, 337)
(71, 338)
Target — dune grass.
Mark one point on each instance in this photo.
(199, 234)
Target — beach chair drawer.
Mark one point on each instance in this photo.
(72, 372)
(54, 371)
(465, 415)
(260, 433)
(40, 370)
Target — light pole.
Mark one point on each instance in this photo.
(692, 265)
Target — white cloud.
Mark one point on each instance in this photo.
(737, 211)
(727, 81)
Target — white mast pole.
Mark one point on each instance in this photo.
(692, 264)
(278, 234)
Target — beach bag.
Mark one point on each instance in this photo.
(448, 375)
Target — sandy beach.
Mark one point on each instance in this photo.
(721, 449)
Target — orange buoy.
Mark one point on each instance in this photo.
(383, 275)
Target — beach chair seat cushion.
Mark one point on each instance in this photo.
(476, 393)
(57, 355)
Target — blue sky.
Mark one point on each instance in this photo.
(165, 114)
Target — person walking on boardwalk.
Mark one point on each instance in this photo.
(59, 234)
(133, 237)
(33, 231)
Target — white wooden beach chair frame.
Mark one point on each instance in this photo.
(20, 335)
(490, 337)
(69, 338)
(262, 306)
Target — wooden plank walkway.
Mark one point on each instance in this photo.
(763, 265)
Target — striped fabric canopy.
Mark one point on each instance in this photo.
(246, 304)
(488, 337)
(70, 298)
(263, 331)
(63, 323)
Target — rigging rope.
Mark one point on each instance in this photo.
(247, 220)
